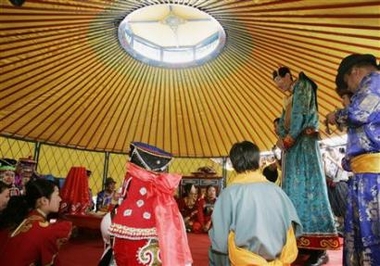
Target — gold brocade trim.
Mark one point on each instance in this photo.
(330, 242)
(36, 218)
(303, 242)
(149, 254)
(52, 260)
(133, 233)
(23, 227)
(28, 223)
(44, 224)
(366, 163)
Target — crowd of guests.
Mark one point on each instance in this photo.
(196, 209)
(269, 212)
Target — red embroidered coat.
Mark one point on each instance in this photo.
(149, 214)
(34, 242)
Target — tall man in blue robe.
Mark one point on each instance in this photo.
(303, 175)
(359, 74)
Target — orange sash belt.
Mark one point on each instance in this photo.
(366, 163)
(243, 257)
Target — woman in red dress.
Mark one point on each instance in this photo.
(188, 206)
(206, 207)
(28, 237)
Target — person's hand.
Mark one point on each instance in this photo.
(288, 142)
(103, 209)
(331, 118)
(206, 227)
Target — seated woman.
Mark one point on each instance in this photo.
(206, 207)
(30, 238)
(188, 206)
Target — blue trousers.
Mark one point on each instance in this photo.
(362, 221)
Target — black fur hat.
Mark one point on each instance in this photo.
(348, 62)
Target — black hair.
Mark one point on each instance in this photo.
(187, 189)
(109, 180)
(282, 71)
(3, 186)
(270, 174)
(19, 206)
(208, 186)
(245, 156)
(37, 189)
(15, 212)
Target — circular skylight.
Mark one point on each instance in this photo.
(171, 35)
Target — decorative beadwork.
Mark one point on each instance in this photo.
(132, 233)
(146, 215)
(140, 203)
(127, 212)
(143, 191)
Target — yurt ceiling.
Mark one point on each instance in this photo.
(66, 80)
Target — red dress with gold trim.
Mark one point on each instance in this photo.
(205, 210)
(190, 215)
(35, 242)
